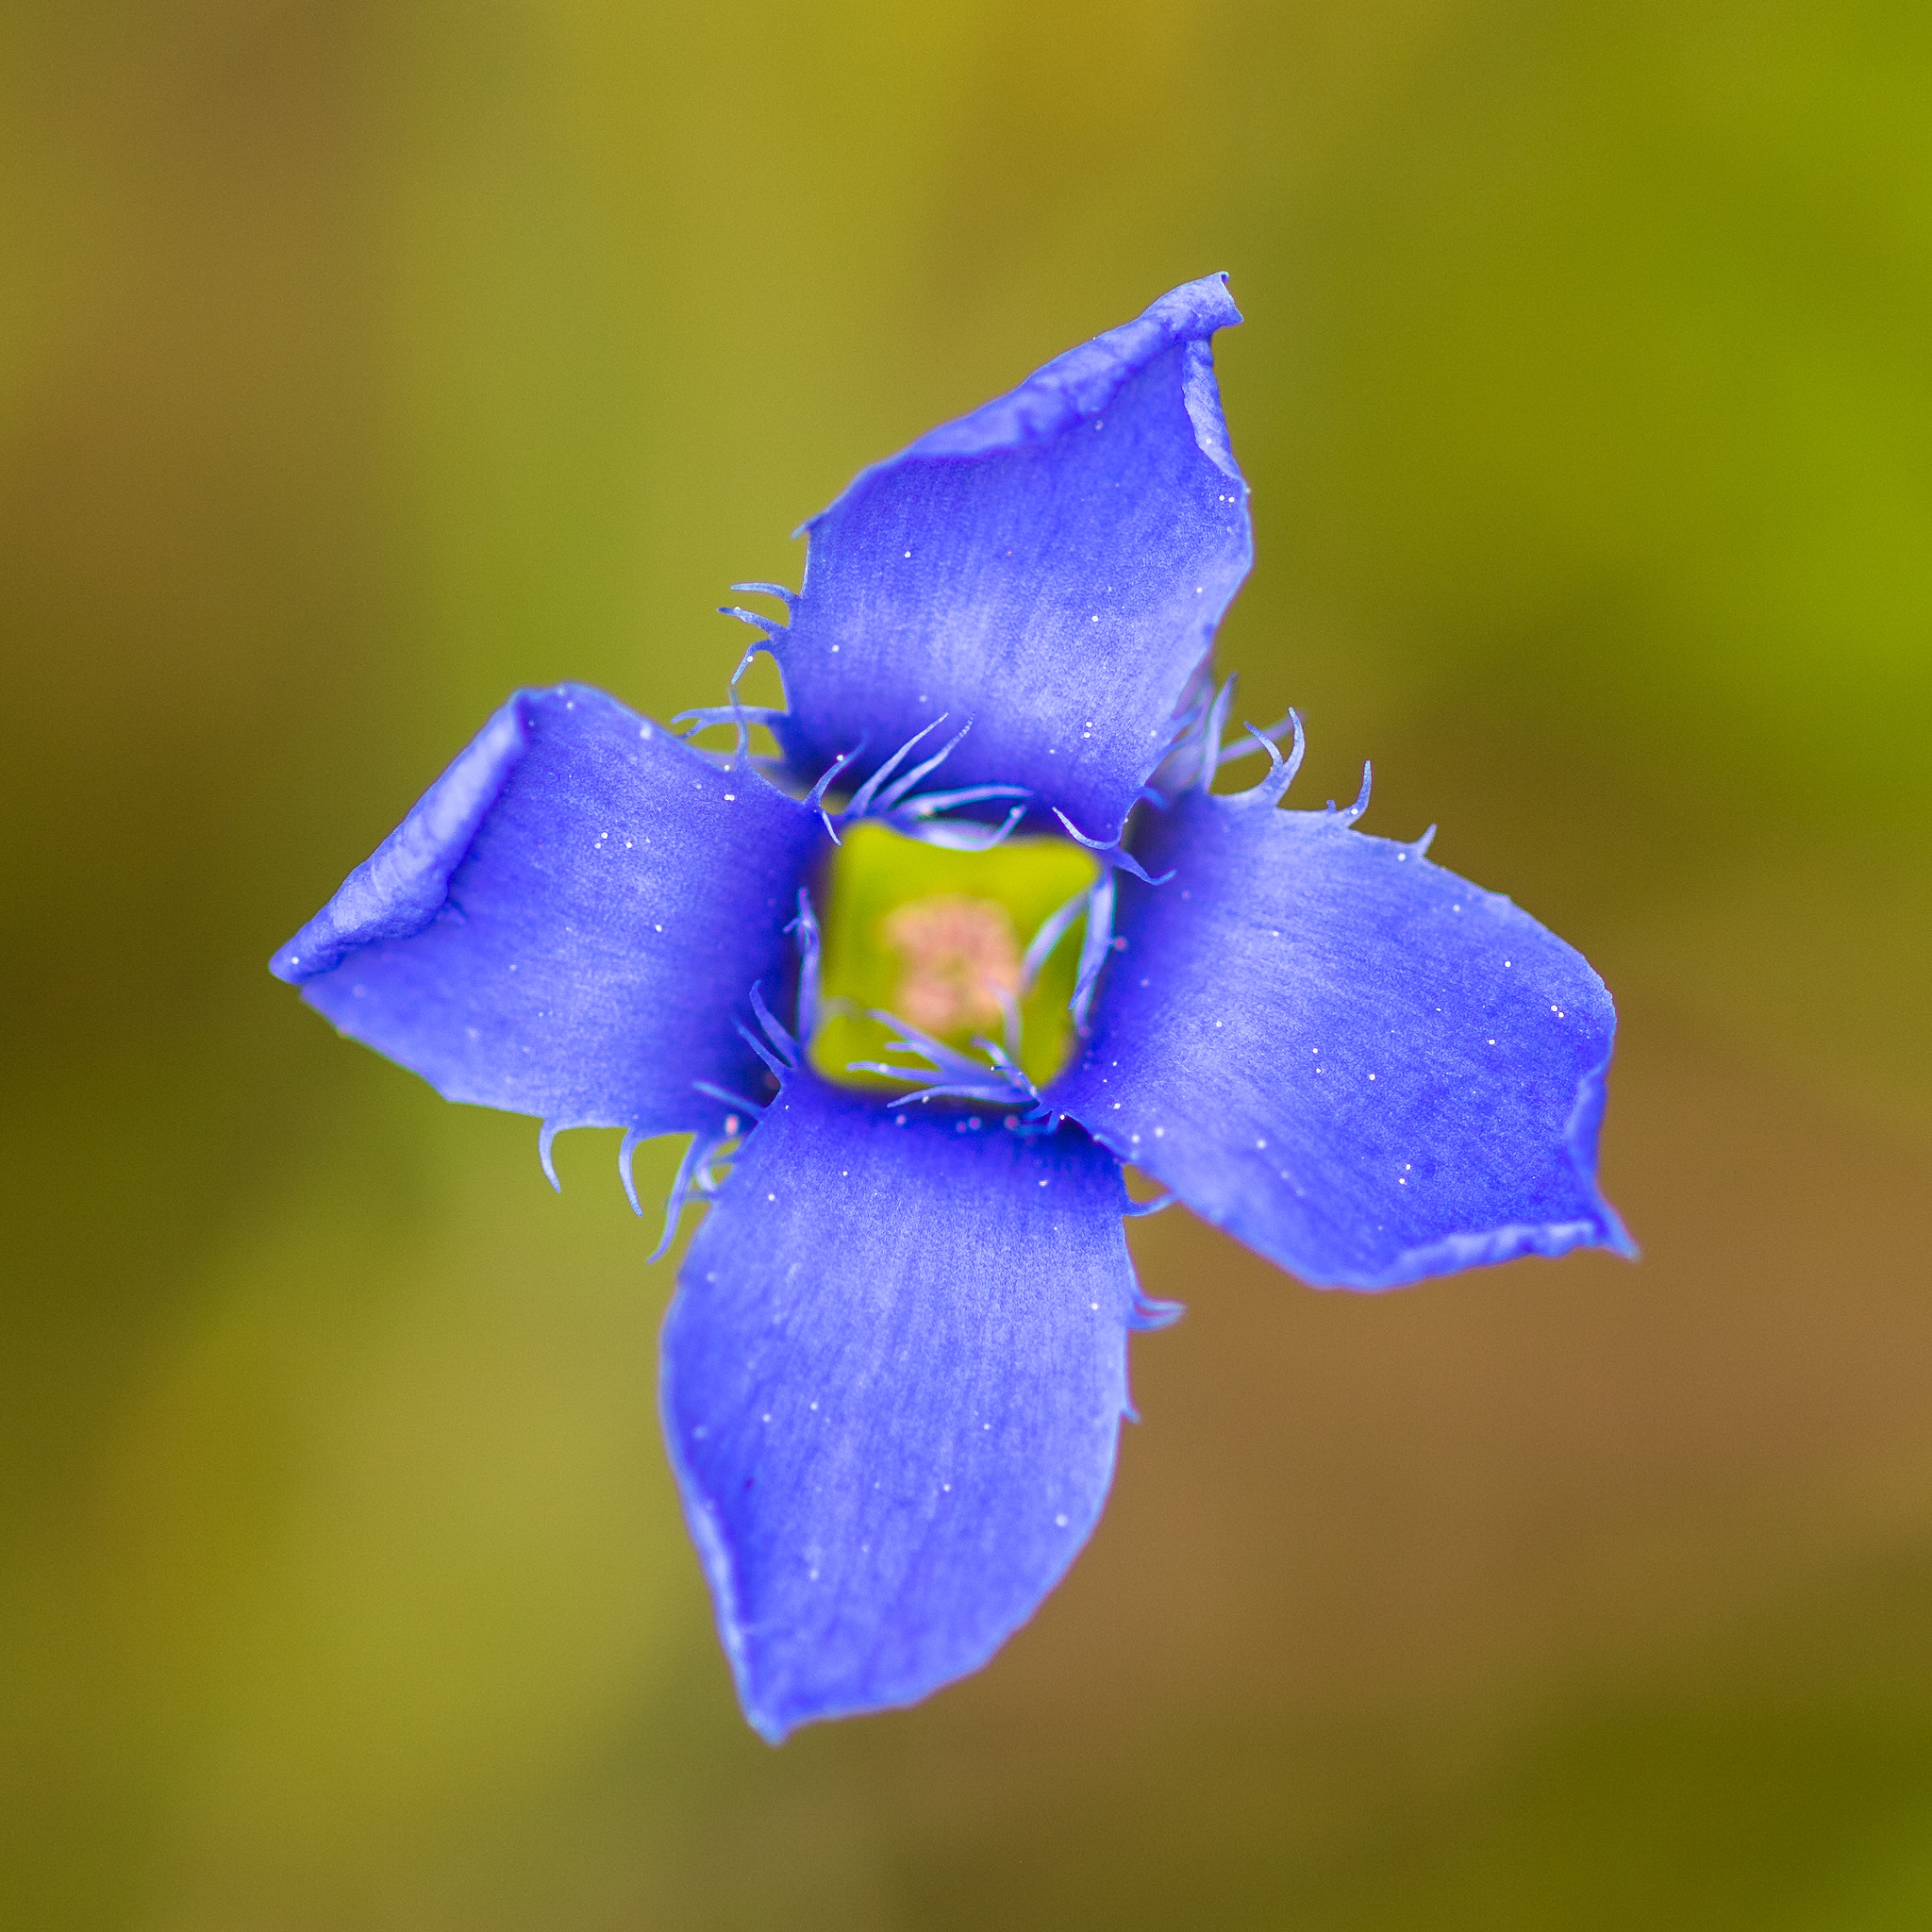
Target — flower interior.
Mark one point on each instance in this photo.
(937, 939)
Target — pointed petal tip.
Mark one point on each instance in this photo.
(1612, 1235)
(777, 1717)
(774, 1730)
(1079, 384)
(1205, 300)
(402, 886)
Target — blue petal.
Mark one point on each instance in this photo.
(893, 1377)
(570, 922)
(1049, 569)
(1363, 1066)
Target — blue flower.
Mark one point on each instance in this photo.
(895, 1365)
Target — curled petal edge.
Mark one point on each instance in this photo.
(401, 887)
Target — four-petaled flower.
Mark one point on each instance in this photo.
(895, 1366)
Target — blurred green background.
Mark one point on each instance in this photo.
(361, 362)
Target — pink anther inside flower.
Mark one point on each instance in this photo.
(963, 961)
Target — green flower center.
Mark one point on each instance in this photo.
(938, 939)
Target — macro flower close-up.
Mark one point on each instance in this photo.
(922, 983)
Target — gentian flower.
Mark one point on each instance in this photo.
(894, 1368)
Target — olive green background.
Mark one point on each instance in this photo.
(360, 362)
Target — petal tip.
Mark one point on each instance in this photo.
(1080, 383)
(1613, 1235)
(402, 886)
(774, 1730)
(1205, 301)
